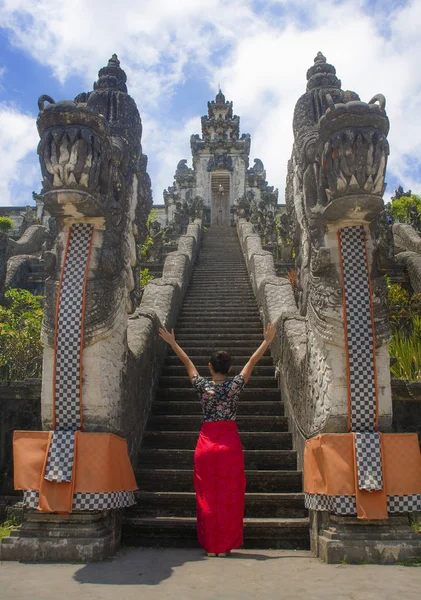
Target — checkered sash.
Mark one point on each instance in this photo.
(68, 344)
(60, 457)
(358, 329)
(369, 461)
(347, 505)
(69, 329)
(88, 501)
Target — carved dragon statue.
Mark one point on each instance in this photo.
(94, 172)
(335, 179)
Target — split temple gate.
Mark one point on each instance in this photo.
(114, 401)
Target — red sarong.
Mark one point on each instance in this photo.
(220, 486)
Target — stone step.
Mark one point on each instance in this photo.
(184, 382)
(219, 314)
(244, 351)
(221, 323)
(187, 440)
(227, 284)
(262, 460)
(180, 532)
(240, 280)
(183, 504)
(221, 296)
(231, 329)
(161, 407)
(220, 306)
(193, 423)
(181, 480)
(202, 360)
(195, 338)
(180, 370)
(248, 394)
(242, 347)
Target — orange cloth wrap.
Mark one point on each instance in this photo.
(330, 469)
(101, 464)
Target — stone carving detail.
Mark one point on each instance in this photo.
(262, 201)
(220, 161)
(335, 177)
(220, 186)
(20, 257)
(93, 168)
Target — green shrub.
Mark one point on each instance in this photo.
(407, 350)
(402, 207)
(144, 248)
(7, 527)
(145, 278)
(403, 307)
(6, 224)
(20, 331)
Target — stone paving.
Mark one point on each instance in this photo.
(150, 574)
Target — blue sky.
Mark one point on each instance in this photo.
(176, 53)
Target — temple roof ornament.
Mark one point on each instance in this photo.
(112, 76)
(322, 74)
(220, 98)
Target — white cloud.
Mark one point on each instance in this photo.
(18, 158)
(260, 58)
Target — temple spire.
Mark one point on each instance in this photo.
(112, 76)
(322, 74)
(220, 98)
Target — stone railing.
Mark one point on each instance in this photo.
(161, 302)
(408, 247)
(277, 305)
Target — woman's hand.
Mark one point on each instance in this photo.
(167, 336)
(269, 333)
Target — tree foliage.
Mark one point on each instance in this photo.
(403, 208)
(6, 224)
(20, 331)
(405, 323)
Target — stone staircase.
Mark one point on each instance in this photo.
(219, 312)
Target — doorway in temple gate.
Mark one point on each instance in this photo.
(220, 199)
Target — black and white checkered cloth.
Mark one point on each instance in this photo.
(398, 504)
(69, 329)
(346, 505)
(60, 457)
(360, 341)
(369, 461)
(88, 501)
(339, 505)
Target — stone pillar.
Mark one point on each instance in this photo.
(96, 187)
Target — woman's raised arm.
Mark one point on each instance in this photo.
(170, 339)
(269, 334)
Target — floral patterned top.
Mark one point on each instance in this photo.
(219, 400)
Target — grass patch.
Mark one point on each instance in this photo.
(412, 562)
(415, 521)
(7, 526)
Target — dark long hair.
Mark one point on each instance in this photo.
(221, 362)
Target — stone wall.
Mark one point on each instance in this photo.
(406, 407)
(20, 408)
(408, 247)
(277, 305)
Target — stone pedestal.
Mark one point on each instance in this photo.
(79, 536)
(337, 539)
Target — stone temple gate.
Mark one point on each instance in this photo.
(322, 466)
(220, 184)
